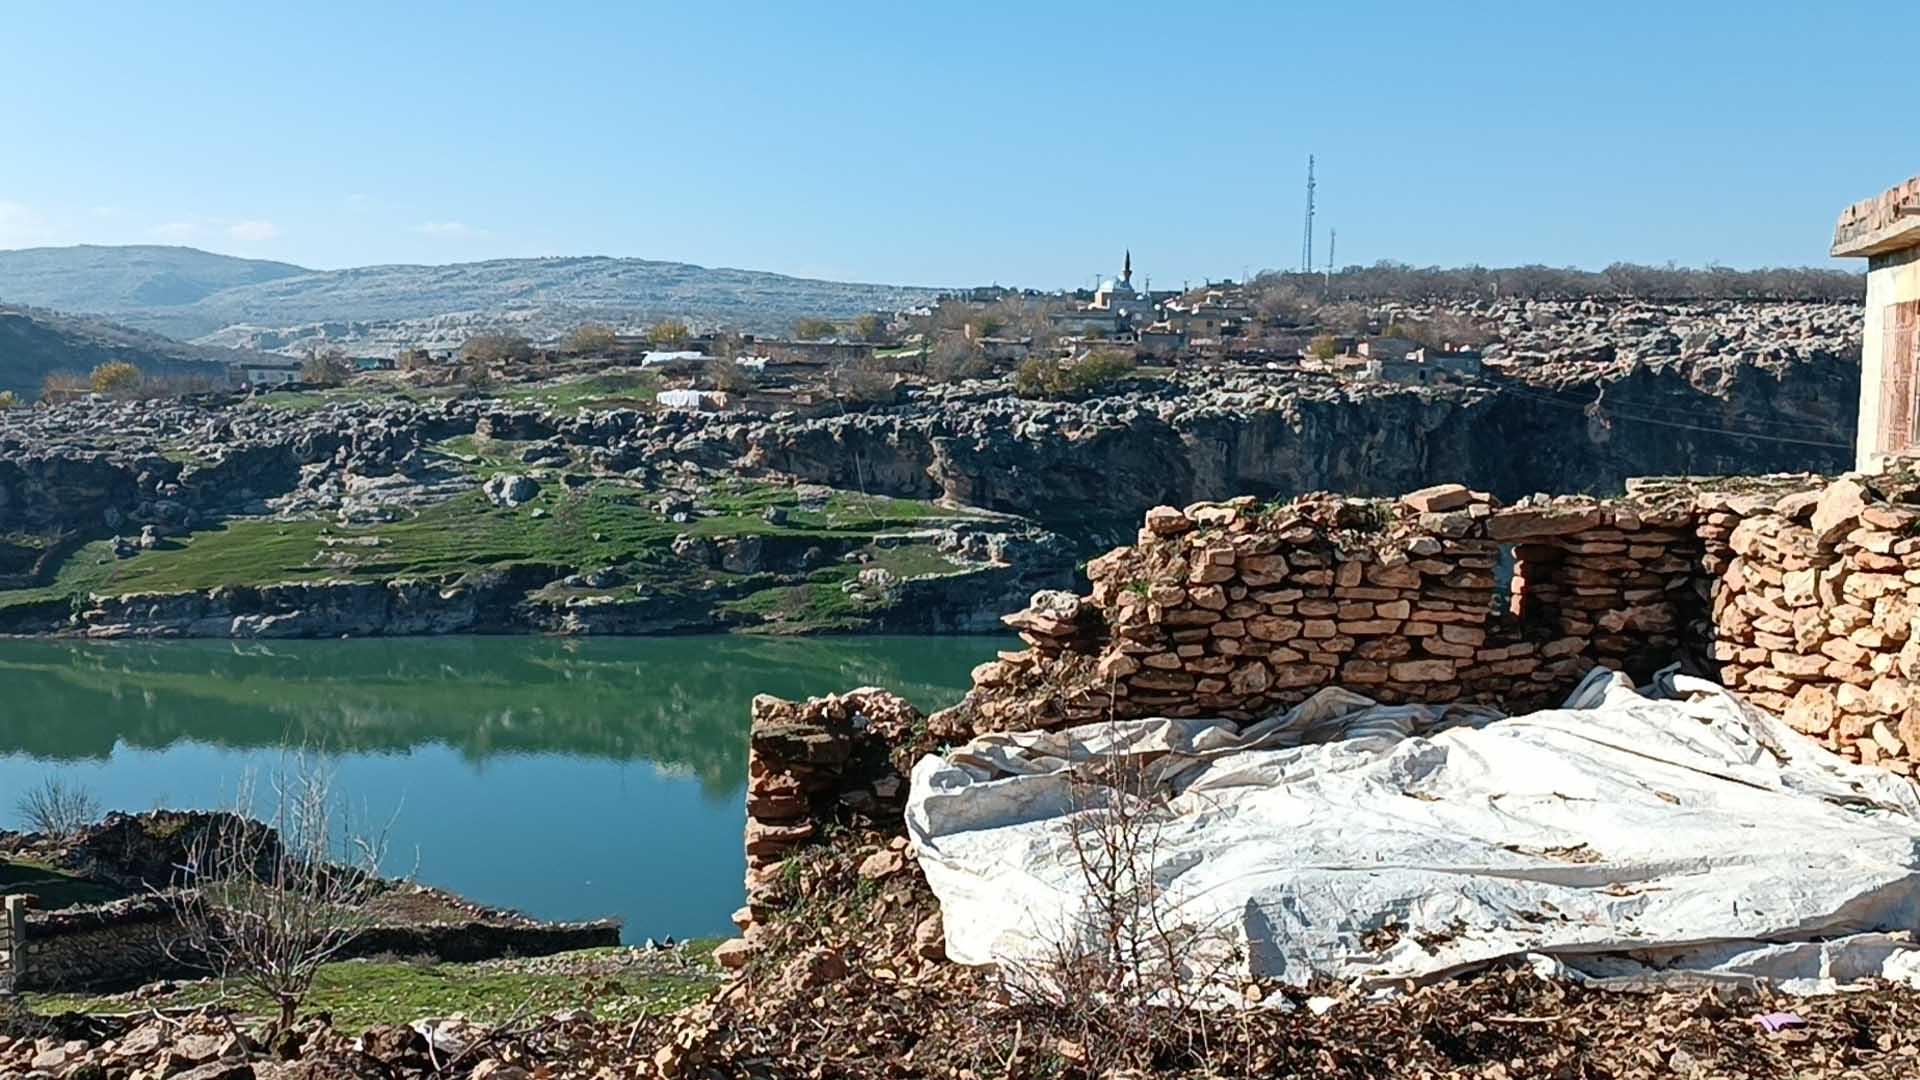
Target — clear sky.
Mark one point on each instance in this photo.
(923, 143)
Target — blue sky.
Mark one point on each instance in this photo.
(941, 144)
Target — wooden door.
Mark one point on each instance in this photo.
(1900, 382)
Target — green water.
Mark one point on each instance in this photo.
(568, 778)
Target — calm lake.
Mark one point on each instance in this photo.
(569, 778)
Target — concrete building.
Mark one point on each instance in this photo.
(1162, 340)
(264, 372)
(1885, 231)
(1217, 313)
(1398, 360)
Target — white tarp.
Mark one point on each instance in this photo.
(1623, 838)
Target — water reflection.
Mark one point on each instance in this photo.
(569, 778)
(679, 702)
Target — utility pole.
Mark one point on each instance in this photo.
(1333, 237)
(1306, 240)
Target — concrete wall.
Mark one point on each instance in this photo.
(1892, 279)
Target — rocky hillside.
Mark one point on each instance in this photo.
(185, 293)
(35, 343)
(125, 280)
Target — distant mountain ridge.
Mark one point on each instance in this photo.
(114, 280)
(35, 343)
(187, 293)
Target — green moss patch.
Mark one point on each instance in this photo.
(612, 983)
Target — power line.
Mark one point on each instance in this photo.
(1612, 413)
(1679, 413)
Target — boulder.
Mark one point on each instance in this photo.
(734, 953)
(1167, 521)
(1439, 498)
(510, 489)
(1838, 510)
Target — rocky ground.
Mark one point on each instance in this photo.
(1561, 339)
(852, 983)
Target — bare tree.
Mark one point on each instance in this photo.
(326, 367)
(668, 333)
(266, 905)
(590, 339)
(724, 373)
(954, 357)
(1128, 971)
(58, 808)
(497, 348)
(861, 383)
(812, 328)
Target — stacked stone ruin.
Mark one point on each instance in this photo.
(813, 764)
(1234, 609)
(1816, 609)
(1801, 595)
(1798, 593)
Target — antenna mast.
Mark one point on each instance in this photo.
(1333, 237)
(1306, 240)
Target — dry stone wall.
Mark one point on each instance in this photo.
(817, 764)
(1238, 608)
(1799, 593)
(1816, 607)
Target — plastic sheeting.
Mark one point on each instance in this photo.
(1626, 838)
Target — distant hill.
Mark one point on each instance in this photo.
(35, 343)
(122, 280)
(185, 293)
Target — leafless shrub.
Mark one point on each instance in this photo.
(58, 808)
(724, 373)
(863, 383)
(326, 367)
(955, 357)
(590, 339)
(1129, 975)
(61, 386)
(266, 907)
(114, 377)
(497, 348)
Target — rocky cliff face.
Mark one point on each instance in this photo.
(1278, 435)
(1578, 423)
